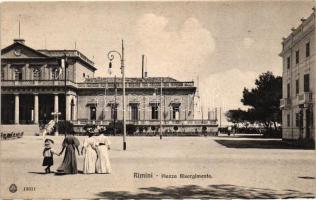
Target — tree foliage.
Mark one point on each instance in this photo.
(263, 100)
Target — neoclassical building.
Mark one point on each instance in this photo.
(34, 91)
(298, 101)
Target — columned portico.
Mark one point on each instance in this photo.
(17, 109)
(36, 108)
(68, 107)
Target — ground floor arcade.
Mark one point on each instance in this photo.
(36, 108)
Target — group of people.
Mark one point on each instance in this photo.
(94, 149)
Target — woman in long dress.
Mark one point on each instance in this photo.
(90, 157)
(69, 164)
(103, 162)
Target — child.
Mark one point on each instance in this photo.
(48, 155)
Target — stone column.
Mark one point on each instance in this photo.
(17, 109)
(55, 103)
(68, 107)
(36, 108)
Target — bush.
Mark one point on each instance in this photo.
(89, 126)
(65, 127)
(118, 127)
(175, 128)
(130, 129)
(141, 129)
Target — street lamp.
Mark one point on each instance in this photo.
(160, 133)
(111, 57)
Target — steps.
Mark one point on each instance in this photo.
(28, 129)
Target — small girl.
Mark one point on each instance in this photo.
(48, 155)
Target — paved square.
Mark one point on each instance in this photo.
(237, 171)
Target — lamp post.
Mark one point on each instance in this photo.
(160, 133)
(64, 66)
(111, 57)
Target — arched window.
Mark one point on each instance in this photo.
(55, 73)
(37, 74)
(2, 73)
(18, 74)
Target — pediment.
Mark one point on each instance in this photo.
(18, 50)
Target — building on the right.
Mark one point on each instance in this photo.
(298, 85)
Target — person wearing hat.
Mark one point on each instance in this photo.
(89, 152)
(48, 155)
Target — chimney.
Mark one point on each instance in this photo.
(144, 67)
(22, 41)
(143, 72)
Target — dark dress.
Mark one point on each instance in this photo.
(69, 164)
(48, 157)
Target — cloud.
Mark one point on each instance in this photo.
(176, 52)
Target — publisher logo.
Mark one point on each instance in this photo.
(13, 188)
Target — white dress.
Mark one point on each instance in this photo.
(90, 157)
(103, 162)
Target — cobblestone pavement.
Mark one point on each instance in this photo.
(239, 168)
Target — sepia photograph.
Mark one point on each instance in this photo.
(158, 99)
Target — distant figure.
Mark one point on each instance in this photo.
(103, 162)
(90, 156)
(48, 155)
(69, 164)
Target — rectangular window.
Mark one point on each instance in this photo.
(312, 118)
(288, 91)
(175, 112)
(134, 112)
(306, 82)
(297, 56)
(154, 112)
(288, 120)
(297, 86)
(297, 119)
(307, 48)
(288, 62)
(114, 112)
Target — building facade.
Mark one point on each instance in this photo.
(298, 101)
(35, 91)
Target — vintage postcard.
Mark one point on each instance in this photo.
(149, 99)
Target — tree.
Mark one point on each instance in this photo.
(236, 116)
(264, 100)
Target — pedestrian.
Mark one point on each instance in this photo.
(90, 155)
(69, 164)
(103, 165)
(48, 153)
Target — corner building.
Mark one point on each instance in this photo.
(298, 101)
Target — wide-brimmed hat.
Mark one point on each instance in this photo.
(48, 142)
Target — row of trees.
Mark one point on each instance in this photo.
(263, 101)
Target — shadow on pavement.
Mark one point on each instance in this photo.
(212, 191)
(306, 177)
(260, 144)
(40, 173)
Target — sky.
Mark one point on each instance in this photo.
(227, 45)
